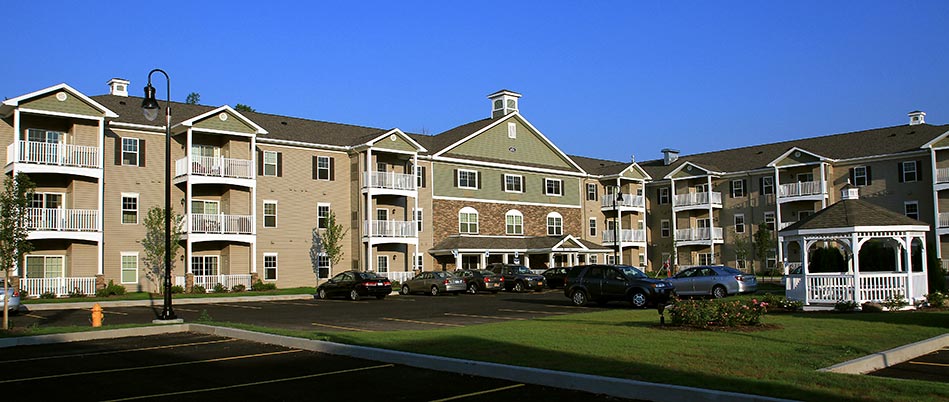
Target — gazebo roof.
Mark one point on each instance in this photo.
(852, 213)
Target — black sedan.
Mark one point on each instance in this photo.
(480, 280)
(555, 277)
(355, 284)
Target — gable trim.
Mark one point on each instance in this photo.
(190, 122)
(398, 132)
(683, 166)
(12, 103)
(820, 158)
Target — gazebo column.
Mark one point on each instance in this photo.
(908, 252)
(805, 270)
(855, 246)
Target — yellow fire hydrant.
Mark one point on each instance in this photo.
(97, 315)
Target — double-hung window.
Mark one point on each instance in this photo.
(270, 214)
(130, 152)
(270, 266)
(911, 209)
(861, 176)
(270, 163)
(468, 221)
(129, 267)
(513, 183)
(909, 171)
(665, 228)
(591, 192)
(739, 223)
(767, 185)
(322, 215)
(322, 168)
(664, 195)
(129, 209)
(769, 220)
(554, 224)
(553, 187)
(468, 179)
(514, 222)
(592, 226)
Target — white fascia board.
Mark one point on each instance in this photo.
(14, 102)
(507, 166)
(938, 138)
(683, 166)
(884, 156)
(400, 133)
(300, 144)
(222, 132)
(190, 122)
(848, 231)
(138, 127)
(820, 158)
(60, 114)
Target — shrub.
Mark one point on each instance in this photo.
(198, 289)
(935, 274)
(779, 303)
(47, 295)
(111, 290)
(24, 294)
(260, 286)
(76, 292)
(895, 302)
(219, 288)
(706, 313)
(845, 306)
(239, 288)
(177, 289)
(936, 299)
(396, 285)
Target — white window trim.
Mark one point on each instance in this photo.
(667, 228)
(906, 204)
(62, 265)
(520, 182)
(274, 164)
(548, 180)
(380, 261)
(770, 216)
(915, 171)
(263, 213)
(386, 210)
(276, 267)
(329, 210)
(858, 175)
(742, 216)
(738, 186)
(138, 155)
(122, 207)
(217, 262)
(554, 215)
(419, 219)
(512, 130)
(518, 214)
(477, 223)
(320, 168)
(592, 227)
(122, 256)
(595, 192)
(472, 186)
(665, 196)
(767, 182)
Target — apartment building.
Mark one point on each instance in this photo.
(253, 189)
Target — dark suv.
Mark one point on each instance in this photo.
(603, 283)
(517, 277)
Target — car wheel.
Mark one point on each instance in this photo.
(719, 292)
(404, 290)
(353, 295)
(579, 298)
(638, 299)
(380, 297)
(322, 294)
(434, 291)
(518, 286)
(473, 289)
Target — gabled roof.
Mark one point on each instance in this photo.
(852, 213)
(866, 143)
(505, 243)
(792, 151)
(190, 122)
(687, 166)
(372, 139)
(12, 103)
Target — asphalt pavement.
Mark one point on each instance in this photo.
(930, 367)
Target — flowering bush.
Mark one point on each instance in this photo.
(776, 303)
(936, 299)
(708, 313)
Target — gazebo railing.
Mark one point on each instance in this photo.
(874, 287)
(881, 286)
(829, 288)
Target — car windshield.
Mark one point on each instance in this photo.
(730, 271)
(368, 275)
(520, 269)
(485, 272)
(631, 272)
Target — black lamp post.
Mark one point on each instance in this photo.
(150, 108)
(618, 199)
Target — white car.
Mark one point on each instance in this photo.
(12, 295)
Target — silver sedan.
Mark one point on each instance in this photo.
(715, 280)
(12, 297)
(434, 283)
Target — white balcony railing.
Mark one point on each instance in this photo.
(801, 189)
(944, 219)
(63, 220)
(400, 276)
(221, 224)
(625, 236)
(694, 234)
(629, 201)
(228, 281)
(942, 175)
(391, 228)
(390, 180)
(215, 167)
(684, 200)
(45, 153)
(59, 286)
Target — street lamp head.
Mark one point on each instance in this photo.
(619, 196)
(150, 104)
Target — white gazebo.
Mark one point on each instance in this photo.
(850, 223)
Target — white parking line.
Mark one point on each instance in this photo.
(111, 352)
(295, 304)
(104, 311)
(239, 306)
(493, 317)
(341, 327)
(530, 311)
(422, 322)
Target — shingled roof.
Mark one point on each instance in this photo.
(507, 243)
(600, 167)
(851, 213)
(880, 141)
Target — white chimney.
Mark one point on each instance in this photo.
(917, 117)
(669, 155)
(119, 87)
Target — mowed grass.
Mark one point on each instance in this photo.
(780, 362)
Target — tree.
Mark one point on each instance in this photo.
(742, 246)
(243, 108)
(154, 244)
(16, 198)
(193, 98)
(764, 243)
(332, 240)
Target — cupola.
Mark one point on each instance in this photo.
(119, 87)
(503, 102)
(917, 117)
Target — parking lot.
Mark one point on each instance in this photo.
(930, 367)
(189, 366)
(395, 312)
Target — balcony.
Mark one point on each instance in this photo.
(208, 169)
(61, 223)
(801, 191)
(698, 236)
(943, 227)
(390, 182)
(390, 231)
(697, 201)
(219, 227)
(629, 202)
(942, 179)
(44, 157)
(626, 236)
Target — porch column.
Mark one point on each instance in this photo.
(484, 260)
(777, 209)
(672, 199)
(504, 258)
(457, 260)
(804, 271)
(855, 246)
(711, 223)
(908, 252)
(934, 173)
(527, 260)
(550, 259)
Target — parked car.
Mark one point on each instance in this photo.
(555, 277)
(480, 280)
(517, 278)
(434, 283)
(603, 283)
(714, 280)
(12, 296)
(355, 284)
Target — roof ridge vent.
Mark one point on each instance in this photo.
(917, 117)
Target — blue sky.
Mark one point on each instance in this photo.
(601, 79)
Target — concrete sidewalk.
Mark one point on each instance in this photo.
(158, 302)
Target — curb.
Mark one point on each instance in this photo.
(887, 358)
(158, 302)
(616, 387)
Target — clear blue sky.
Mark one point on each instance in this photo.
(600, 78)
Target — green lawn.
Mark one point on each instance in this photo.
(779, 362)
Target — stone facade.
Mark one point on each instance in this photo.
(491, 221)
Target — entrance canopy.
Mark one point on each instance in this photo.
(535, 252)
